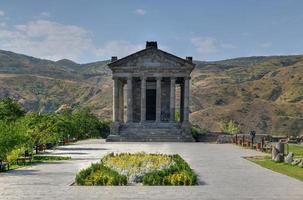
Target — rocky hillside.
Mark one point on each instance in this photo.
(260, 93)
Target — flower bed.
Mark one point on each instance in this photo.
(138, 168)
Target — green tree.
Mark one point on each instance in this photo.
(229, 127)
(86, 123)
(41, 128)
(12, 136)
(65, 127)
(10, 110)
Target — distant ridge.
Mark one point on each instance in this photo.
(263, 93)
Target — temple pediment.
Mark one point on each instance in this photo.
(151, 58)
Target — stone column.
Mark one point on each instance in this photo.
(186, 100)
(116, 100)
(158, 99)
(143, 99)
(172, 98)
(121, 101)
(129, 99)
(181, 101)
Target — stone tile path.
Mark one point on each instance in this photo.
(222, 172)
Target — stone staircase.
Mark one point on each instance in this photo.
(150, 132)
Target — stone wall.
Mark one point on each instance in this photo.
(225, 139)
(206, 137)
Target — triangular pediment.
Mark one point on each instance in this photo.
(152, 58)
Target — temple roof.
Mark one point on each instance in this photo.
(152, 57)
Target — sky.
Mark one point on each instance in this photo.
(92, 30)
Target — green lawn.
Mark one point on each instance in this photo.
(283, 168)
(38, 159)
(297, 150)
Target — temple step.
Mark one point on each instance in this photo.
(148, 139)
(150, 133)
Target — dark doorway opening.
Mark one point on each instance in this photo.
(150, 104)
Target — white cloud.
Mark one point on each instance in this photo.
(47, 39)
(210, 45)
(45, 14)
(266, 44)
(2, 13)
(118, 48)
(206, 45)
(52, 40)
(140, 11)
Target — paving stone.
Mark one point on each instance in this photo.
(223, 174)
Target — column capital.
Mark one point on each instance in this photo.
(143, 78)
(129, 77)
(187, 78)
(173, 78)
(159, 78)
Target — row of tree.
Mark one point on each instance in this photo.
(21, 131)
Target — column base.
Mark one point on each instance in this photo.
(114, 128)
(186, 127)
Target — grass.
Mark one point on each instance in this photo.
(37, 159)
(138, 168)
(297, 150)
(50, 158)
(283, 168)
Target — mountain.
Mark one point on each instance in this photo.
(260, 93)
(44, 85)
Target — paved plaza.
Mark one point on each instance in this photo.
(223, 174)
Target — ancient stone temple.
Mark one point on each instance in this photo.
(145, 106)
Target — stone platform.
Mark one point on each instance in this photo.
(151, 132)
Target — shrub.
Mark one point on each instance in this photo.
(151, 169)
(195, 131)
(14, 154)
(230, 127)
(180, 178)
(177, 174)
(98, 174)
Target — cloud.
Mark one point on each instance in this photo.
(2, 13)
(206, 45)
(266, 44)
(47, 39)
(52, 40)
(118, 48)
(210, 45)
(140, 11)
(45, 14)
